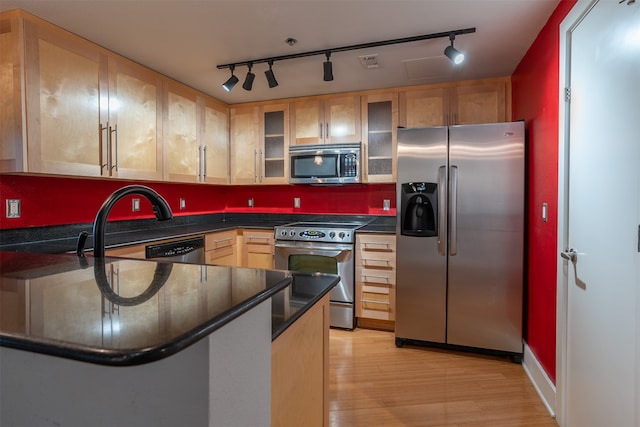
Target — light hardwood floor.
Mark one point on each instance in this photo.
(373, 383)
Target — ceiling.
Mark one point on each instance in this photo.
(187, 39)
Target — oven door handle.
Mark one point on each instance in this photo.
(313, 246)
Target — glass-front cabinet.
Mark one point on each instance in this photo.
(380, 120)
(275, 138)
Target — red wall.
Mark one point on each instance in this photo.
(55, 200)
(535, 99)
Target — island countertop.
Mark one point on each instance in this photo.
(123, 312)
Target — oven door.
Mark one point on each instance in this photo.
(328, 258)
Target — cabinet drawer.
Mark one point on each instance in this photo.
(260, 249)
(376, 243)
(252, 237)
(220, 240)
(379, 276)
(375, 302)
(222, 256)
(376, 259)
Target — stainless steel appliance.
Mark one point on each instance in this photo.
(460, 198)
(189, 251)
(325, 248)
(325, 163)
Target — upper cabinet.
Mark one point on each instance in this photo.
(326, 120)
(90, 113)
(379, 123)
(12, 151)
(465, 103)
(214, 141)
(274, 136)
(180, 125)
(259, 144)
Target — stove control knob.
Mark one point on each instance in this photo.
(332, 234)
(292, 233)
(341, 235)
(283, 232)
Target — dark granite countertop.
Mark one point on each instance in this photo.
(61, 239)
(62, 305)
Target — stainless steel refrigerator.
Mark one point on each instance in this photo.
(460, 237)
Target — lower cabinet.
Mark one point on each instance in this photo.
(221, 248)
(300, 370)
(376, 280)
(257, 248)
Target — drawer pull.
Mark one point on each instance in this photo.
(364, 276)
(385, 245)
(386, 261)
(224, 240)
(259, 238)
(376, 302)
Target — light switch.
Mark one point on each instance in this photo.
(296, 202)
(183, 203)
(135, 205)
(545, 212)
(386, 204)
(250, 202)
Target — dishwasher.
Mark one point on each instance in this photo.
(189, 251)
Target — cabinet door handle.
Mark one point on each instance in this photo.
(386, 245)
(326, 130)
(204, 163)
(365, 260)
(255, 167)
(321, 132)
(115, 132)
(200, 163)
(101, 129)
(385, 278)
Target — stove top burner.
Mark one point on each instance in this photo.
(332, 232)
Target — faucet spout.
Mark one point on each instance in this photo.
(160, 208)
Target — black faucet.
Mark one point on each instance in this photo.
(160, 208)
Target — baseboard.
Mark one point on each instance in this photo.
(540, 380)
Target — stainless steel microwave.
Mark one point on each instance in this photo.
(325, 163)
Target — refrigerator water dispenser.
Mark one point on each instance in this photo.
(419, 209)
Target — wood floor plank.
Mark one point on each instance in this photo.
(373, 383)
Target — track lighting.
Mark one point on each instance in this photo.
(231, 82)
(248, 81)
(452, 53)
(271, 78)
(328, 68)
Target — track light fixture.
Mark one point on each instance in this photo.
(452, 53)
(248, 81)
(231, 82)
(271, 78)
(328, 68)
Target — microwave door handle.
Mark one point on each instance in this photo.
(338, 165)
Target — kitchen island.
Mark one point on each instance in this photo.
(87, 341)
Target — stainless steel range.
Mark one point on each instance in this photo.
(326, 248)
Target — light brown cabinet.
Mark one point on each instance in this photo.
(90, 112)
(258, 248)
(259, 144)
(456, 104)
(326, 120)
(221, 248)
(195, 136)
(12, 151)
(379, 123)
(376, 279)
(244, 144)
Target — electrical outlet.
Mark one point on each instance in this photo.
(296, 202)
(13, 208)
(183, 204)
(386, 204)
(135, 205)
(250, 202)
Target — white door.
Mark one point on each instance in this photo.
(601, 381)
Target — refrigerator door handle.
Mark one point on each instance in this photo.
(442, 209)
(453, 221)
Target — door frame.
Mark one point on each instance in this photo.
(568, 25)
